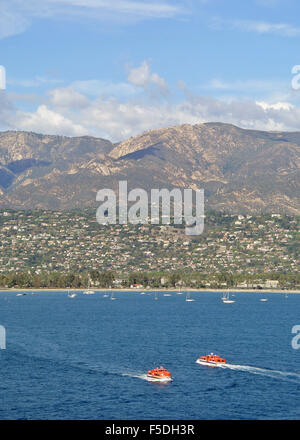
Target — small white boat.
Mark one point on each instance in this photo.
(226, 299)
(89, 291)
(143, 293)
(21, 294)
(167, 294)
(155, 296)
(263, 299)
(72, 295)
(188, 298)
(112, 297)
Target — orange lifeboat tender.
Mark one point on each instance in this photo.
(159, 373)
(211, 359)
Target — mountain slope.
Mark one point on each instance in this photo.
(240, 170)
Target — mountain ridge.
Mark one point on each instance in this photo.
(241, 170)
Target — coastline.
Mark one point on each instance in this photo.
(148, 290)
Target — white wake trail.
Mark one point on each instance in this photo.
(275, 374)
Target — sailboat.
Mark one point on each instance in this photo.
(155, 296)
(188, 298)
(71, 295)
(180, 292)
(89, 291)
(225, 298)
(112, 297)
(167, 294)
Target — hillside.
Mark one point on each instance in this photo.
(240, 170)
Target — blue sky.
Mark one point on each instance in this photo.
(117, 68)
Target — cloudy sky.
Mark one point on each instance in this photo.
(115, 68)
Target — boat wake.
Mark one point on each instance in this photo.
(274, 374)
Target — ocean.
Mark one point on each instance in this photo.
(87, 357)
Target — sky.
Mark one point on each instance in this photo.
(116, 68)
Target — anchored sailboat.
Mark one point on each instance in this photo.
(71, 295)
(188, 298)
(225, 298)
(89, 291)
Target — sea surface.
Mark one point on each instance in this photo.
(87, 357)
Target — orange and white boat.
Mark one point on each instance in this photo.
(211, 360)
(159, 373)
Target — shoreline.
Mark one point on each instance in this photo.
(148, 290)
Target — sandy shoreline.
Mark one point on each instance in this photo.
(151, 290)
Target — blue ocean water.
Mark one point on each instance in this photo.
(86, 357)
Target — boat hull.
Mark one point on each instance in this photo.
(210, 363)
(159, 378)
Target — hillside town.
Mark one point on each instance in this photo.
(245, 251)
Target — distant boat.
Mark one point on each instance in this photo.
(225, 298)
(21, 294)
(112, 297)
(143, 293)
(263, 299)
(286, 295)
(89, 291)
(167, 294)
(180, 292)
(155, 296)
(105, 295)
(72, 295)
(188, 298)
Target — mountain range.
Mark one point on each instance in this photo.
(241, 171)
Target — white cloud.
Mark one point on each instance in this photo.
(257, 26)
(67, 97)
(95, 87)
(143, 77)
(136, 8)
(127, 109)
(17, 15)
(45, 120)
(33, 82)
(11, 21)
(276, 105)
(112, 119)
(262, 27)
(7, 111)
(247, 86)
